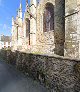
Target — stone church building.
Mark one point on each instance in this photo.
(48, 27)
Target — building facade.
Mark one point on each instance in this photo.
(48, 27)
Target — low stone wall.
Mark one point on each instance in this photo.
(57, 73)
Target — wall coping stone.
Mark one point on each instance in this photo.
(59, 57)
(52, 56)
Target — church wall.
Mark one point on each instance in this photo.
(45, 40)
(14, 38)
(72, 28)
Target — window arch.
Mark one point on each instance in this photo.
(48, 18)
(27, 27)
(17, 31)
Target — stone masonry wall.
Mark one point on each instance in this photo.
(44, 40)
(72, 28)
(52, 41)
(57, 73)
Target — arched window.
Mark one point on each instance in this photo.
(48, 18)
(17, 31)
(28, 29)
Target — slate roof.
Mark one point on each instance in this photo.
(6, 38)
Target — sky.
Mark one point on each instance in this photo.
(8, 8)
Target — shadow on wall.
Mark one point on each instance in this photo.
(57, 73)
